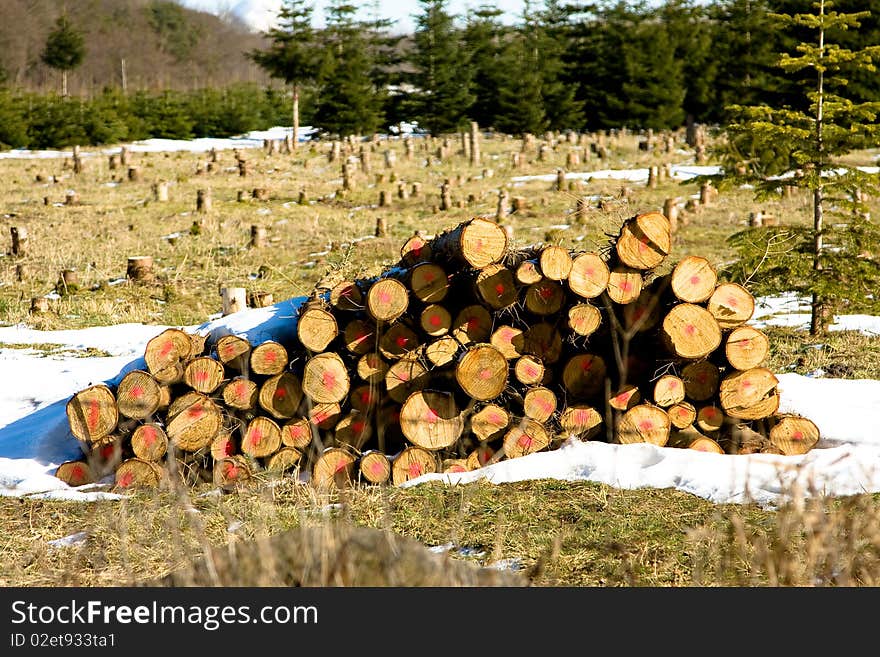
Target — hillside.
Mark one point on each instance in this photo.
(173, 47)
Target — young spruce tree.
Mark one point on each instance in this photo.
(292, 55)
(834, 259)
(65, 49)
(349, 103)
(442, 79)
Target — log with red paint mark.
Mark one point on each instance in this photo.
(92, 414)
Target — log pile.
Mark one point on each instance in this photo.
(465, 352)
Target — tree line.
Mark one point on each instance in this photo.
(558, 66)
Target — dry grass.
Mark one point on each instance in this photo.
(559, 533)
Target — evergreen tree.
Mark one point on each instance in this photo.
(64, 50)
(348, 100)
(483, 40)
(292, 55)
(554, 33)
(831, 262)
(691, 34)
(745, 46)
(653, 87)
(535, 95)
(520, 103)
(600, 42)
(442, 80)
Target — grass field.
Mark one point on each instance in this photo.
(559, 534)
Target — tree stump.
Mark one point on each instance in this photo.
(140, 269)
(19, 240)
(233, 299)
(203, 200)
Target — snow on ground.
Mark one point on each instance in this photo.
(35, 438)
(252, 139)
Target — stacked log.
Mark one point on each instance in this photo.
(464, 352)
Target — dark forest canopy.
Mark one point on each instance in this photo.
(558, 65)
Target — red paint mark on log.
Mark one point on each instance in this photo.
(136, 391)
(232, 472)
(229, 448)
(94, 414)
(673, 384)
(429, 277)
(383, 296)
(280, 393)
(255, 436)
(646, 425)
(166, 348)
(270, 357)
(241, 389)
(546, 405)
(587, 365)
(581, 416)
(702, 377)
(328, 379)
(478, 245)
(149, 436)
(485, 374)
(415, 470)
(366, 397)
(625, 286)
(473, 323)
(431, 416)
(732, 302)
(377, 468)
(401, 341)
(107, 451)
(77, 473)
(495, 418)
(195, 412)
(690, 329)
(695, 280)
(320, 417)
(531, 371)
(342, 465)
(524, 441)
(126, 480)
(499, 289)
(201, 376)
(797, 435)
(358, 426)
(545, 292)
(435, 320)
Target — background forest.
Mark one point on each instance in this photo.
(560, 66)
